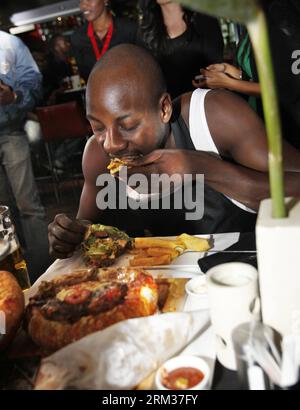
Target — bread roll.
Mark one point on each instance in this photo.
(11, 307)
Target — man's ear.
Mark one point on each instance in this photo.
(166, 109)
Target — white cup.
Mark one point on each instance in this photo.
(196, 290)
(233, 293)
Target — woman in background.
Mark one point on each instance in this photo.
(101, 32)
(182, 41)
(283, 23)
(242, 79)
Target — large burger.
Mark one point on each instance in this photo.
(72, 306)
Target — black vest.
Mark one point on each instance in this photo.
(220, 214)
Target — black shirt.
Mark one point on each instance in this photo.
(54, 73)
(284, 30)
(200, 45)
(124, 32)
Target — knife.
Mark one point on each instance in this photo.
(169, 267)
(216, 251)
(173, 273)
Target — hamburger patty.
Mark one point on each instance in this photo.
(74, 302)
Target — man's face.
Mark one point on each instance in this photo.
(123, 119)
(63, 45)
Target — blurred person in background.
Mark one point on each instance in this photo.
(57, 68)
(57, 75)
(242, 79)
(20, 91)
(181, 40)
(102, 31)
(284, 30)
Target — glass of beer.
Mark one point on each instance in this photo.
(12, 259)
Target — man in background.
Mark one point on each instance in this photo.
(57, 68)
(20, 90)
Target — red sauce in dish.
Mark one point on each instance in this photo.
(182, 378)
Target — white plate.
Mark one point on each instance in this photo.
(188, 261)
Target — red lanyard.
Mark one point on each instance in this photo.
(93, 40)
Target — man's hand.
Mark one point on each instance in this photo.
(161, 161)
(65, 235)
(169, 162)
(7, 96)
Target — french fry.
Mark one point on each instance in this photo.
(154, 243)
(138, 252)
(193, 243)
(151, 261)
(162, 251)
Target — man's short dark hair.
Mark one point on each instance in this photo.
(138, 63)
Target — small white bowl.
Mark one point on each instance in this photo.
(184, 361)
(196, 290)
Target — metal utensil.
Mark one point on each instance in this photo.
(4, 249)
(215, 251)
(170, 267)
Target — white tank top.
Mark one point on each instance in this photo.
(200, 133)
